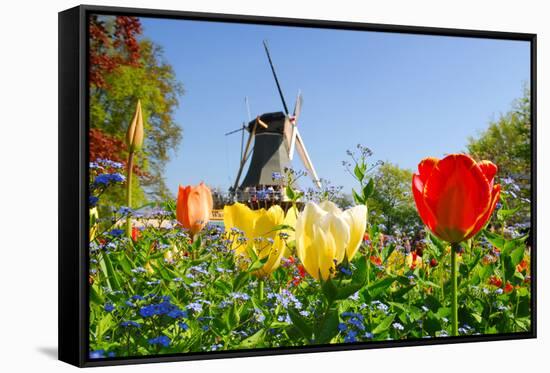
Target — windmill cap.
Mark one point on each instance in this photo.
(275, 122)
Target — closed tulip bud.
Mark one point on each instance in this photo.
(134, 136)
(455, 196)
(325, 235)
(193, 207)
(261, 233)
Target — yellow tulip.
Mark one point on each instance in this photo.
(258, 229)
(134, 136)
(325, 235)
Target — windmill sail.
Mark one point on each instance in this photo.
(301, 148)
(294, 123)
(245, 155)
(275, 76)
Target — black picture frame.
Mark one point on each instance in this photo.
(73, 180)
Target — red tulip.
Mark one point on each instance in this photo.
(495, 280)
(455, 196)
(508, 288)
(376, 260)
(194, 207)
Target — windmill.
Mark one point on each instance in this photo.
(273, 138)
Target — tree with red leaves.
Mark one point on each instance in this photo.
(125, 67)
(112, 46)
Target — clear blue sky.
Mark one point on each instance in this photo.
(404, 96)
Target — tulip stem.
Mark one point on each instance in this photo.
(454, 290)
(193, 249)
(367, 258)
(129, 193)
(261, 288)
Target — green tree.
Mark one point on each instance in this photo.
(507, 143)
(114, 95)
(391, 203)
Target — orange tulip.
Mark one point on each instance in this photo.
(194, 207)
(455, 196)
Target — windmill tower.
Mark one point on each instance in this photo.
(272, 141)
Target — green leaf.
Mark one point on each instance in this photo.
(484, 272)
(290, 193)
(199, 260)
(437, 245)
(103, 325)
(328, 327)
(495, 239)
(359, 172)
(168, 205)
(223, 286)
(126, 264)
(160, 268)
(257, 264)
(432, 323)
(380, 286)
(112, 276)
(281, 227)
(368, 190)
(512, 260)
(412, 312)
(94, 295)
(254, 341)
(301, 323)
(443, 312)
(358, 199)
(196, 244)
(477, 317)
(359, 278)
(401, 292)
(509, 268)
(474, 263)
(233, 317)
(240, 280)
(517, 255)
(329, 289)
(384, 325)
(511, 245)
(426, 283)
(251, 254)
(502, 214)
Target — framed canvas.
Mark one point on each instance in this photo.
(236, 186)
